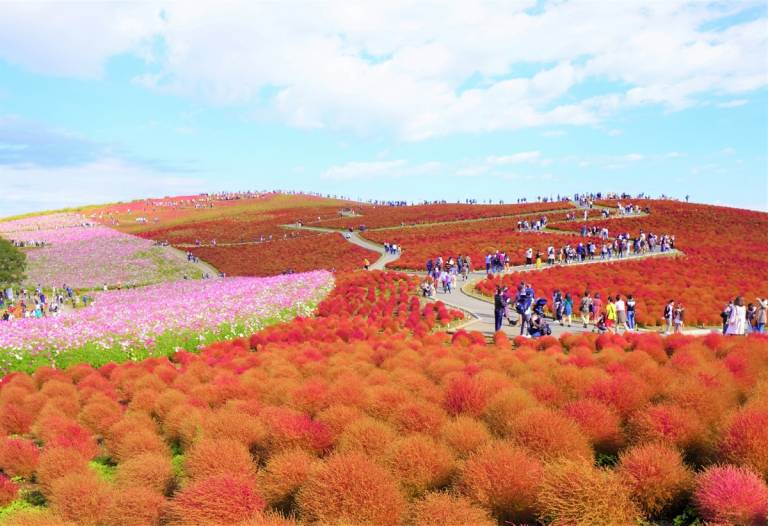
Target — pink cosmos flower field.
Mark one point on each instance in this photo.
(83, 255)
(159, 318)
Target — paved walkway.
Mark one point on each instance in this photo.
(481, 308)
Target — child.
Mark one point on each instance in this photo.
(601, 323)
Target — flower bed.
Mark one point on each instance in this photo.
(394, 216)
(83, 255)
(158, 319)
(476, 239)
(724, 258)
(321, 251)
(358, 416)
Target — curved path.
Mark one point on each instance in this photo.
(478, 307)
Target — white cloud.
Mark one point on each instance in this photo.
(515, 158)
(355, 171)
(633, 157)
(735, 103)
(397, 66)
(728, 150)
(28, 188)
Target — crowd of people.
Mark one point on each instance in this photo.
(38, 304)
(523, 307)
(740, 319)
(30, 243)
(444, 273)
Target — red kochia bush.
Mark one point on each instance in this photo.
(420, 463)
(80, 497)
(152, 471)
(441, 509)
(211, 456)
(351, 489)
(284, 474)
(463, 395)
(55, 463)
(134, 507)
(549, 434)
(503, 478)
(732, 495)
(18, 457)
(8, 491)
(222, 499)
(601, 424)
(657, 476)
(746, 438)
(578, 494)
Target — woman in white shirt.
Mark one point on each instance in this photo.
(737, 321)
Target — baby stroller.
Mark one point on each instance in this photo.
(538, 327)
(538, 307)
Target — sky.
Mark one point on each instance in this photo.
(109, 101)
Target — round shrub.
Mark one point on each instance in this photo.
(549, 434)
(420, 463)
(80, 497)
(8, 490)
(578, 494)
(419, 417)
(152, 471)
(18, 457)
(745, 441)
(504, 479)
(465, 435)
(349, 488)
(656, 475)
(221, 499)
(284, 474)
(367, 435)
(504, 406)
(732, 495)
(600, 423)
(55, 463)
(441, 509)
(464, 395)
(36, 518)
(134, 507)
(211, 456)
(236, 425)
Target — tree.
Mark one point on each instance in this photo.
(13, 263)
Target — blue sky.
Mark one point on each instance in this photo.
(112, 101)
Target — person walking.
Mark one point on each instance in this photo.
(669, 316)
(597, 309)
(679, 318)
(498, 308)
(568, 309)
(725, 315)
(737, 320)
(762, 310)
(585, 307)
(621, 314)
(631, 307)
(366, 263)
(610, 315)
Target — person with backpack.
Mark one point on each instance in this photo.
(523, 308)
(610, 315)
(751, 314)
(669, 315)
(557, 306)
(585, 308)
